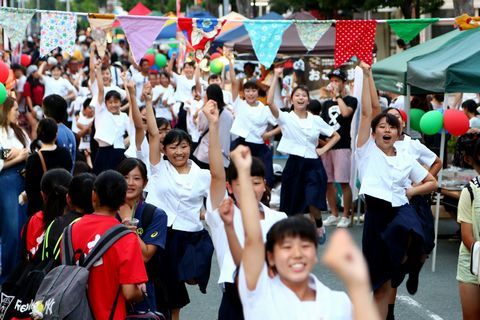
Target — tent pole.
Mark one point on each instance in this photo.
(406, 107)
(437, 202)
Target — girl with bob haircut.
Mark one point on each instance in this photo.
(275, 279)
(393, 235)
(179, 186)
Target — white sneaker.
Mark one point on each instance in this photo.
(344, 222)
(331, 221)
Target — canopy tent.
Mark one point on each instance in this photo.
(241, 32)
(170, 29)
(455, 67)
(291, 43)
(139, 10)
(390, 74)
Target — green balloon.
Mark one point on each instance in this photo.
(431, 122)
(216, 66)
(415, 116)
(3, 93)
(173, 43)
(150, 51)
(160, 60)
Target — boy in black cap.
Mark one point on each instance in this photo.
(338, 113)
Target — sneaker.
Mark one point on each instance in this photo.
(344, 222)
(331, 221)
(322, 235)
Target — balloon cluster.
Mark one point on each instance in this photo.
(431, 122)
(155, 60)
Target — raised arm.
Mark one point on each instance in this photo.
(366, 115)
(271, 92)
(198, 85)
(136, 116)
(169, 68)
(215, 158)
(153, 134)
(91, 63)
(226, 213)
(253, 257)
(100, 85)
(41, 70)
(233, 78)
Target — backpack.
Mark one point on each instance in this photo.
(20, 288)
(63, 292)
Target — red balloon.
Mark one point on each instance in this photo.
(150, 58)
(404, 115)
(25, 60)
(3, 72)
(455, 122)
(215, 56)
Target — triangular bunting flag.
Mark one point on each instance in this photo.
(15, 22)
(101, 31)
(310, 33)
(407, 29)
(141, 32)
(266, 37)
(200, 32)
(58, 31)
(354, 38)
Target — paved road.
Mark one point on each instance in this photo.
(437, 297)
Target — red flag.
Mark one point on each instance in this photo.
(354, 38)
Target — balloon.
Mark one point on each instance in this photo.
(160, 60)
(25, 60)
(3, 93)
(431, 122)
(215, 56)
(150, 51)
(173, 43)
(216, 66)
(456, 122)
(415, 116)
(3, 72)
(150, 58)
(171, 51)
(155, 68)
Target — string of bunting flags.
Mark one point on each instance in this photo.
(58, 29)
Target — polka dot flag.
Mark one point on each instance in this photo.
(354, 38)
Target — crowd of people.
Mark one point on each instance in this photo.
(184, 159)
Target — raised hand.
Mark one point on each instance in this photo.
(242, 158)
(210, 110)
(278, 71)
(226, 211)
(147, 91)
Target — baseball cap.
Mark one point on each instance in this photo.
(339, 74)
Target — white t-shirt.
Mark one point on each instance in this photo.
(85, 140)
(474, 122)
(387, 177)
(271, 299)
(418, 150)
(398, 103)
(106, 89)
(110, 128)
(19, 90)
(300, 136)
(183, 92)
(251, 122)
(60, 86)
(161, 107)
(192, 107)
(140, 81)
(179, 195)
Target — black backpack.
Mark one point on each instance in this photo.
(20, 288)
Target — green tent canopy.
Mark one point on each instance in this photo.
(455, 67)
(390, 74)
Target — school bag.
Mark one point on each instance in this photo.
(20, 288)
(63, 292)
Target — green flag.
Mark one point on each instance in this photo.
(407, 29)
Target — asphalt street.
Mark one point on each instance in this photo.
(437, 297)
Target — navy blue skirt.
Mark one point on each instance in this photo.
(304, 183)
(107, 158)
(389, 235)
(424, 211)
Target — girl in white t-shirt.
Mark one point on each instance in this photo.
(389, 176)
(251, 122)
(56, 84)
(275, 279)
(304, 181)
(179, 186)
(163, 98)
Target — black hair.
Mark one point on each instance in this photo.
(176, 136)
(80, 192)
(194, 88)
(112, 94)
(142, 61)
(162, 122)
(128, 164)
(47, 130)
(55, 106)
(213, 76)
(17, 66)
(189, 63)
(295, 226)
(471, 106)
(250, 85)
(300, 87)
(390, 118)
(256, 170)
(54, 185)
(86, 103)
(164, 73)
(81, 167)
(214, 92)
(57, 66)
(315, 107)
(250, 64)
(111, 189)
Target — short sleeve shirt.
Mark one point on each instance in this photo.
(156, 232)
(332, 115)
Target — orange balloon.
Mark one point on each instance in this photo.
(10, 83)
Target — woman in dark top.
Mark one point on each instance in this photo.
(53, 156)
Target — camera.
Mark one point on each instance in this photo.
(4, 153)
